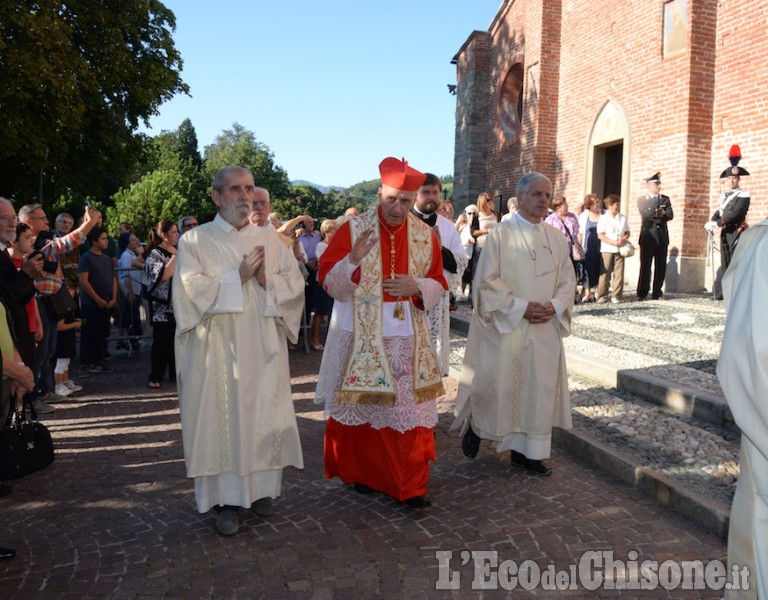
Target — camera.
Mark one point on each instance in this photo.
(43, 238)
(300, 225)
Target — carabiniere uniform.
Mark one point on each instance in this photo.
(733, 206)
(655, 211)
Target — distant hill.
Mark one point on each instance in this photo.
(322, 188)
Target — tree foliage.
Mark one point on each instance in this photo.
(78, 78)
(173, 185)
(159, 195)
(238, 146)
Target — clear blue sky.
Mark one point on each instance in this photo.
(331, 87)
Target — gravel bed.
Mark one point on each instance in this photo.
(701, 456)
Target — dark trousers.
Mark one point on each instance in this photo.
(45, 350)
(727, 242)
(657, 255)
(163, 355)
(130, 317)
(94, 334)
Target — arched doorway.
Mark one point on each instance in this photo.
(608, 154)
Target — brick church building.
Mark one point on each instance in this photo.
(599, 95)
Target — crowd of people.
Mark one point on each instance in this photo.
(228, 298)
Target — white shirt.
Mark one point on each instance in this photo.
(613, 228)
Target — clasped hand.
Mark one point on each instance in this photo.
(402, 286)
(253, 266)
(537, 313)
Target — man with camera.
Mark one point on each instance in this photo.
(655, 210)
(49, 284)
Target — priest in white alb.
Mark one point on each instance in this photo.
(514, 386)
(237, 297)
(454, 262)
(743, 373)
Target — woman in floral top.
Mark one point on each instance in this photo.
(159, 265)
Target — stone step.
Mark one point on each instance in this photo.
(655, 385)
(681, 461)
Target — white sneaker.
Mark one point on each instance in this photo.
(615, 300)
(602, 300)
(62, 390)
(73, 386)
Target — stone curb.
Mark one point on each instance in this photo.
(681, 399)
(710, 515)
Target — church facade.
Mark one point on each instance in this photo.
(599, 95)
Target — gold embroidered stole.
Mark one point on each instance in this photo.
(368, 376)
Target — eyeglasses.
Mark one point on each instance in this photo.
(9, 218)
(471, 213)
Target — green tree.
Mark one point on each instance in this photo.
(336, 202)
(159, 195)
(77, 79)
(302, 200)
(238, 146)
(187, 142)
(173, 151)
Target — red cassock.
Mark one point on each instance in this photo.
(385, 459)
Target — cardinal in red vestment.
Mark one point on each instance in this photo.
(379, 378)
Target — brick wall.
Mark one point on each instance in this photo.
(740, 114)
(682, 111)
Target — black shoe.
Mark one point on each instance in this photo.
(361, 488)
(418, 502)
(263, 507)
(6, 553)
(100, 369)
(517, 459)
(227, 522)
(5, 490)
(470, 445)
(538, 467)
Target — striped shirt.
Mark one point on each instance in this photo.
(51, 282)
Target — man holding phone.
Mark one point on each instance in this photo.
(49, 284)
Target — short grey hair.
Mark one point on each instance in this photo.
(180, 222)
(222, 174)
(511, 203)
(26, 211)
(527, 180)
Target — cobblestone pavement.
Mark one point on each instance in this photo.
(114, 516)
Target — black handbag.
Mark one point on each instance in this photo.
(25, 445)
(61, 303)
